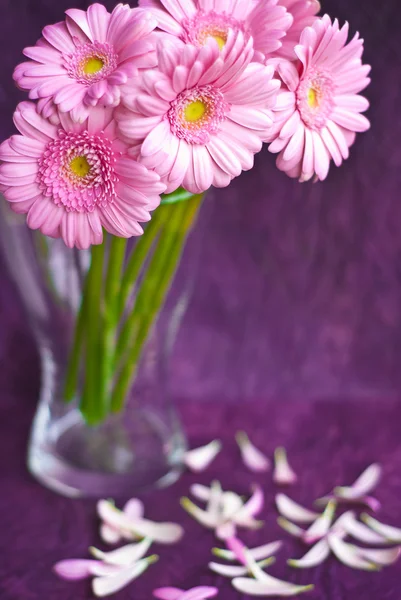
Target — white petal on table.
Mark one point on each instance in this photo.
(322, 525)
(200, 593)
(198, 459)
(75, 569)
(283, 474)
(315, 556)
(254, 587)
(252, 507)
(293, 511)
(124, 556)
(168, 593)
(202, 516)
(291, 528)
(105, 586)
(365, 483)
(232, 571)
(201, 492)
(359, 531)
(392, 534)
(252, 457)
(349, 554)
(381, 556)
(259, 553)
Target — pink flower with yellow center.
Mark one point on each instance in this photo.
(85, 60)
(304, 15)
(73, 179)
(195, 21)
(199, 118)
(318, 110)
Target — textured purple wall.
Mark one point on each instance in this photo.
(299, 292)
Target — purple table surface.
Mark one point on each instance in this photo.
(297, 313)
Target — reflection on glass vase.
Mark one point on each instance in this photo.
(138, 447)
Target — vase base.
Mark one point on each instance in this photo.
(116, 459)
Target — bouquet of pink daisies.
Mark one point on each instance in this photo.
(133, 115)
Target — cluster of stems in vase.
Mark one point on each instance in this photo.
(108, 338)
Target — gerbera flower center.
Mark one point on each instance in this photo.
(77, 171)
(92, 65)
(196, 114)
(315, 98)
(204, 26)
(80, 166)
(91, 62)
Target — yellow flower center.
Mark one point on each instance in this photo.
(313, 99)
(93, 65)
(80, 166)
(195, 111)
(220, 39)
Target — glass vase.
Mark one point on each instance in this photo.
(136, 448)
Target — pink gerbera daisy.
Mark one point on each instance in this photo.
(195, 21)
(304, 14)
(71, 179)
(202, 115)
(85, 60)
(318, 108)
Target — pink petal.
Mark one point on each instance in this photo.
(350, 555)
(124, 556)
(253, 458)
(225, 531)
(390, 533)
(105, 586)
(201, 492)
(252, 507)
(293, 511)
(74, 569)
(109, 535)
(156, 139)
(314, 557)
(368, 501)
(283, 473)
(58, 36)
(134, 508)
(27, 146)
(350, 120)
(200, 593)
(163, 533)
(198, 459)
(322, 525)
(168, 593)
(365, 483)
(98, 20)
(288, 74)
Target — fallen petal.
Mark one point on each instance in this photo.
(291, 528)
(293, 511)
(134, 509)
(228, 570)
(381, 556)
(238, 550)
(232, 503)
(163, 533)
(199, 459)
(252, 507)
(365, 483)
(259, 553)
(74, 569)
(109, 535)
(253, 587)
(201, 492)
(316, 556)
(253, 458)
(357, 530)
(349, 554)
(214, 505)
(283, 474)
(105, 586)
(124, 556)
(392, 534)
(200, 593)
(202, 516)
(322, 525)
(168, 593)
(226, 530)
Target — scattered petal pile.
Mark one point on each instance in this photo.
(225, 510)
(359, 492)
(112, 571)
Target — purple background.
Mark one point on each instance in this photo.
(297, 313)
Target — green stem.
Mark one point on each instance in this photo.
(177, 220)
(75, 358)
(93, 402)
